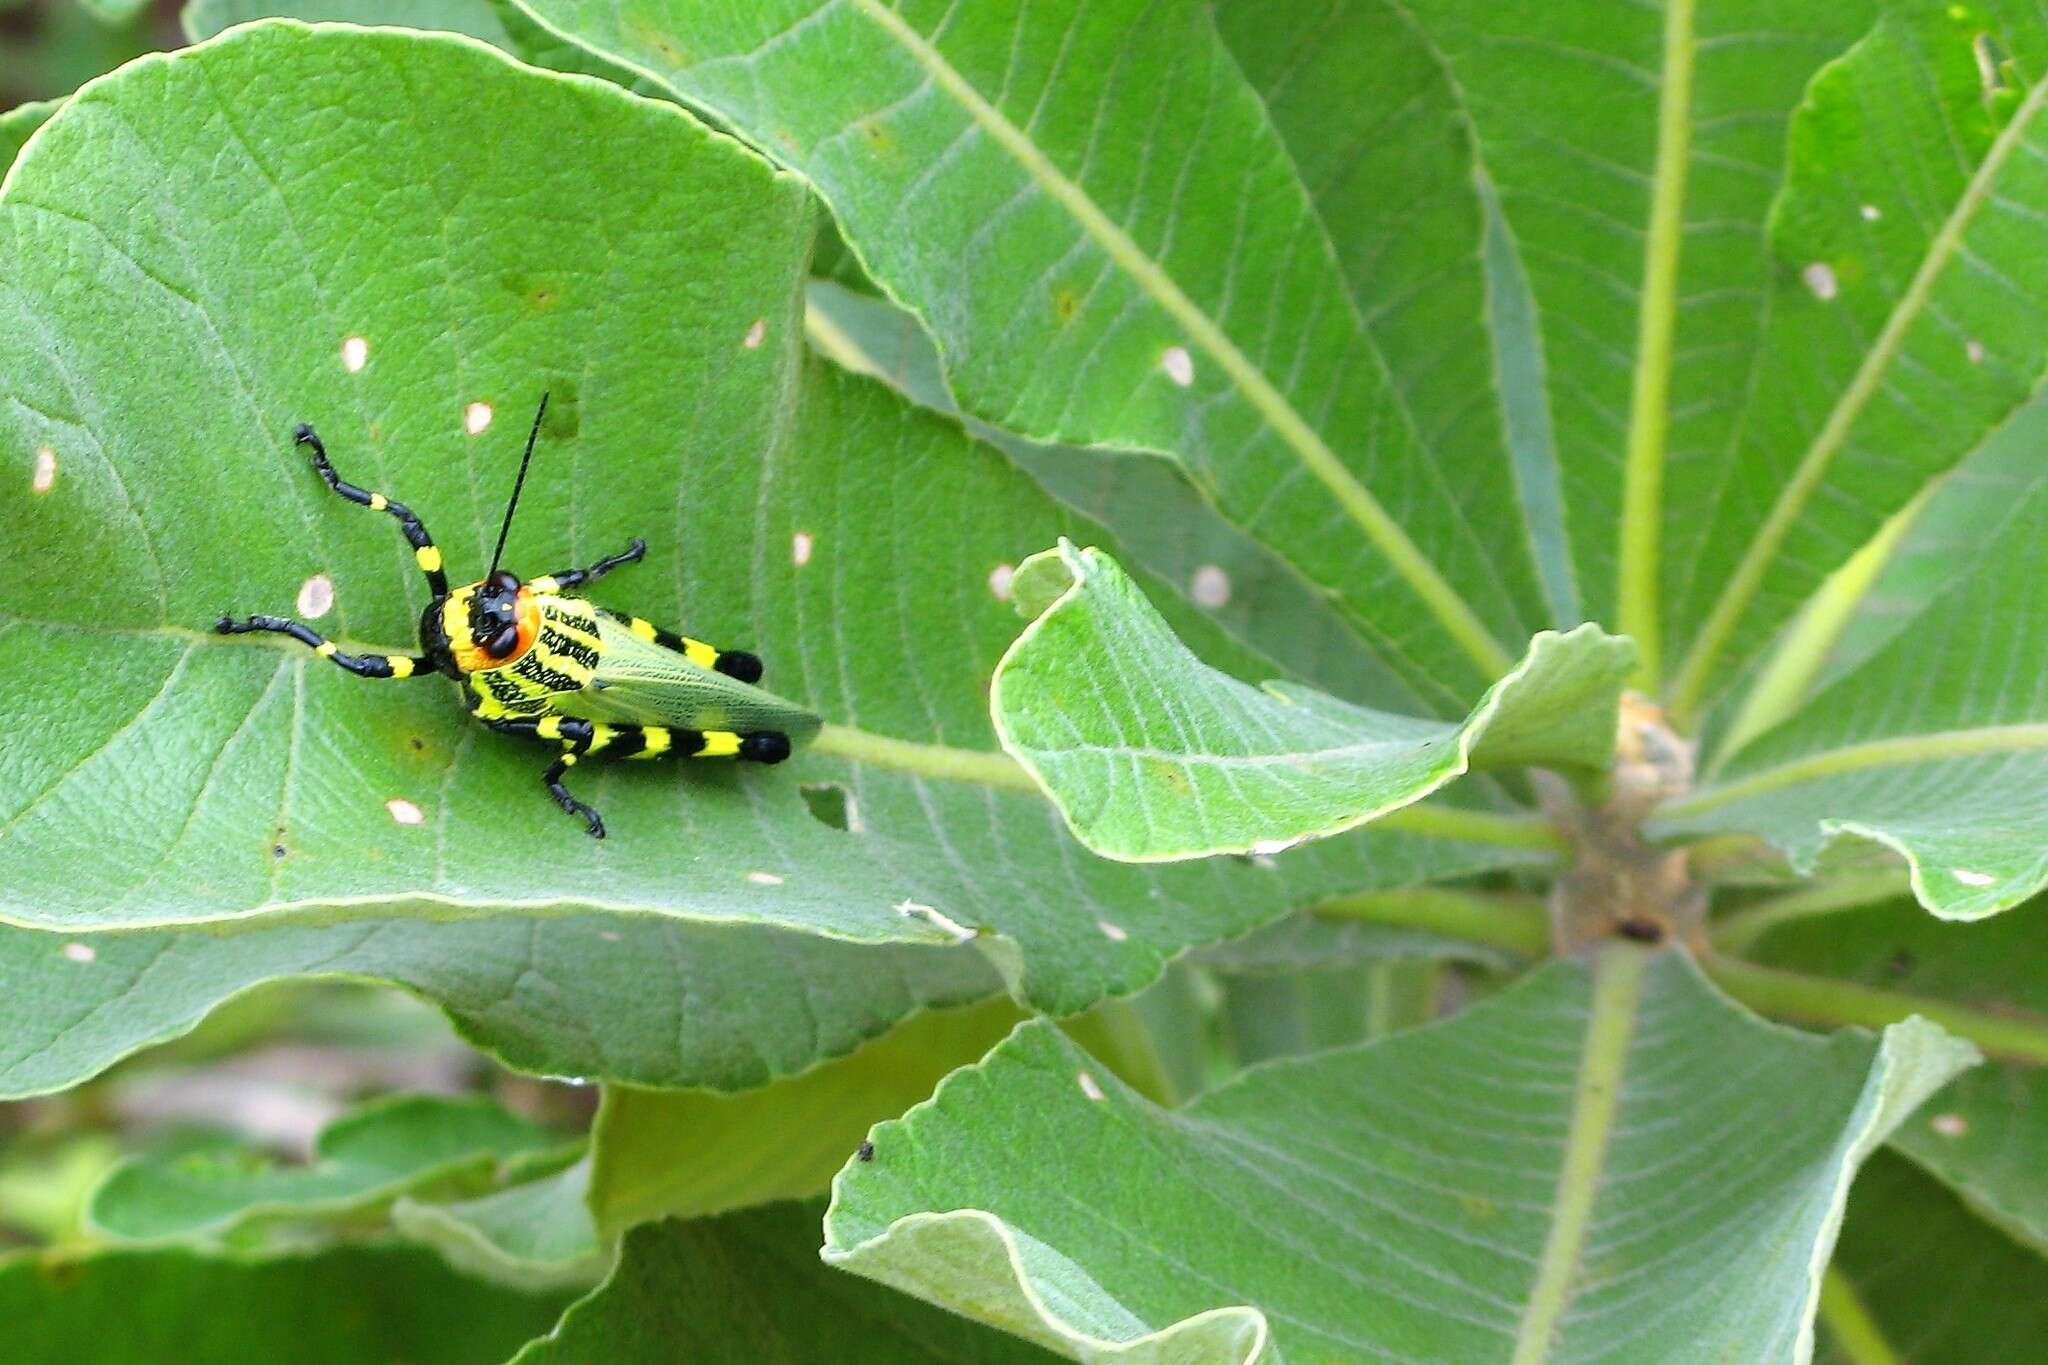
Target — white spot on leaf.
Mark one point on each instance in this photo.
(1179, 365)
(1266, 848)
(1974, 349)
(355, 353)
(405, 812)
(316, 597)
(610, 935)
(81, 952)
(45, 476)
(1968, 878)
(1112, 932)
(476, 417)
(764, 879)
(1820, 278)
(755, 334)
(1210, 587)
(1949, 1125)
(999, 581)
(800, 546)
(1871, 213)
(1088, 1086)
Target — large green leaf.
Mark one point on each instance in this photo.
(1936, 1285)
(340, 1307)
(1903, 319)
(372, 1155)
(1034, 184)
(1935, 746)
(1596, 1164)
(1152, 755)
(316, 821)
(748, 1287)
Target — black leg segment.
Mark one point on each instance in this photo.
(423, 549)
(362, 665)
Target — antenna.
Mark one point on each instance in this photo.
(518, 483)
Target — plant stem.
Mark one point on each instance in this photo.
(1823, 1000)
(1848, 1320)
(1518, 924)
(1736, 932)
(1476, 827)
(1716, 856)
(1642, 510)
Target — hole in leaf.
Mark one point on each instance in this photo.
(829, 803)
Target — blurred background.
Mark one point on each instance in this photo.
(51, 47)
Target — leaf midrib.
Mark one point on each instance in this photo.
(1415, 568)
(1642, 512)
(1618, 977)
(1743, 585)
(1897, 751)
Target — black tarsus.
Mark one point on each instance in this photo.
(362, 665)
(575, 578)
(518, 484)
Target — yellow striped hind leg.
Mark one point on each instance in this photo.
(734, 663)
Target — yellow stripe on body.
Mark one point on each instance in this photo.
(644, 629)
(325, 649)
(378, 502)
(655, 738)
(546, 584)
(550, 727)
(600, 735)
(401, 665)
(719, 744)
(699, 653)
(429, 558)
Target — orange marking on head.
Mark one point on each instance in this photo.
(469, 653)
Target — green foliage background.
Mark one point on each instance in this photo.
(1315, 528)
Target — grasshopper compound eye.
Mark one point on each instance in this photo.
(536, 662)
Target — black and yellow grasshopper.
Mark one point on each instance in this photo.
(536, 662)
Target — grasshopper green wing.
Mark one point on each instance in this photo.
(640, 682)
